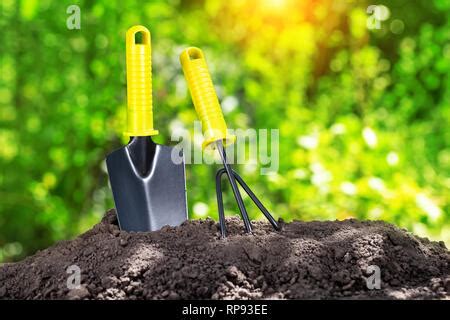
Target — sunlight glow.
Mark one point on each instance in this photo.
(273, 4)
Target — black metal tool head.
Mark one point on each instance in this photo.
(149, 187)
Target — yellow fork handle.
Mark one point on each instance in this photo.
(139, 84)
(204, 97)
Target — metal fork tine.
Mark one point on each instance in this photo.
(234, 187)
(223, 228)
(250, 193)
(256, 201)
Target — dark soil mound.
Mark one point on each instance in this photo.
(304, 260)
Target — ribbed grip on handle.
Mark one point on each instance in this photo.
(139, 83)
(204, 97)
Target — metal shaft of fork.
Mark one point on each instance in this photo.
(237, 194)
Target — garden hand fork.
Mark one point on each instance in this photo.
(214, 127)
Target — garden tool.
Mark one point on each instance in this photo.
(148, 186)
(215, 133)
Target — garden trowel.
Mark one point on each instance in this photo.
(147, 179)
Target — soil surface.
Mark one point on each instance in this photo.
(305, 260)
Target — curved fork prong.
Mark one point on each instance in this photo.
(250, 193)
(256, 201)
(223, 228)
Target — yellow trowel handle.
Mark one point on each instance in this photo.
(204, 97)
(139, 84)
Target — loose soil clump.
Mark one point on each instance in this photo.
(305, 260)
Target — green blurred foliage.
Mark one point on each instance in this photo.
(363, 113)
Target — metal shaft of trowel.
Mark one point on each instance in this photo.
(234, 187)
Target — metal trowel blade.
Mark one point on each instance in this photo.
(149, 188)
